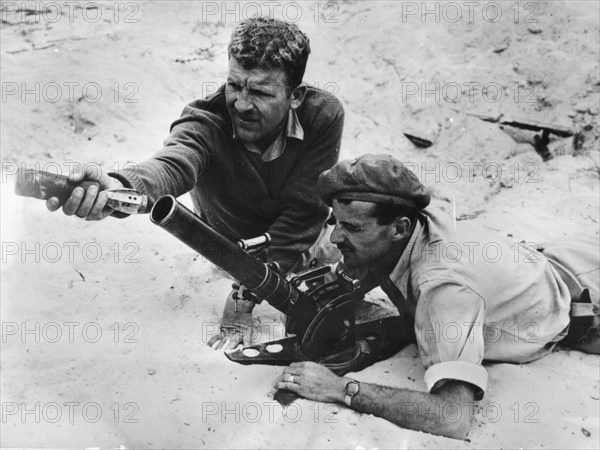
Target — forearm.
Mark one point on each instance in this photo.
(447, 413)
(294, 233)
(175, 169)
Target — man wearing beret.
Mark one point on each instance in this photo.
(470, 297)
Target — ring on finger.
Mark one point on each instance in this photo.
(292, 378)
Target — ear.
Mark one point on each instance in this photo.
(297, 96)
(402, 228)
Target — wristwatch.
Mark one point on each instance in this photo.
(351, 389)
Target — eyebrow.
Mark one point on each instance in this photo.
(344, 222)
(255, 84)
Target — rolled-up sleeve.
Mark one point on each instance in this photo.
(449, 328)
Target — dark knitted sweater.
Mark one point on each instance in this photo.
(232, 188)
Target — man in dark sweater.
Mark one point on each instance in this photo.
(250, 155)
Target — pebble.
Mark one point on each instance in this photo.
(534, 29)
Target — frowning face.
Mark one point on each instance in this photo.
(258, 101)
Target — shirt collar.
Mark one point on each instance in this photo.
(293, 129)
(401, 272)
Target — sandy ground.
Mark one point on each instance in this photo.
(104, 325)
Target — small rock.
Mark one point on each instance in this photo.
(585, 432)
(502, 45)
(534, 29)
(151, 371)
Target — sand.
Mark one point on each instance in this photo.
(104, 325)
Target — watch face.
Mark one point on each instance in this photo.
(352, 388)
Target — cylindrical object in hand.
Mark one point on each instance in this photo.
(43, 185)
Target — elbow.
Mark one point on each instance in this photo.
(457, 429)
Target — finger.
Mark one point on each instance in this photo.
(232, 348)
(88, 201)
(92, 172)
(72, 204)
(221, 343)
(233, 342)
(98, 212)
(298, 365)
(217, 341)
(89, 172)
(213, 340)
(287, 386)
(289, 378)
(229, 343)
(246, 340)
(52, 204)
(224, 343)
(76, 175)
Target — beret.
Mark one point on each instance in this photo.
(373, 178)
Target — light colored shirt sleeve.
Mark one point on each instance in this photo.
(449, 328)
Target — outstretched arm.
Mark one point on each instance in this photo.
(446, 412)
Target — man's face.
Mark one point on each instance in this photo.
(258, 101)
(362, 241)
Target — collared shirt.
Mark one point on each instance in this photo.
(475, 297)
(293, 129)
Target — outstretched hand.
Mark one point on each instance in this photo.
(88, 200)
(237, 325)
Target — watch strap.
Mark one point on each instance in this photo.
(348, 397)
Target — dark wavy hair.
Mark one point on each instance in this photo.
(270, 43)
